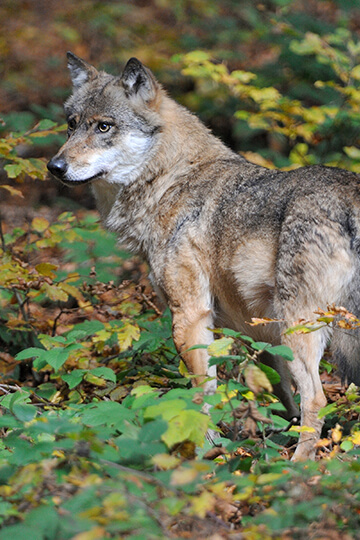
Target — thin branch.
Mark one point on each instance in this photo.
(7, 388)
(2, 239)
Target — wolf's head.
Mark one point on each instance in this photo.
(113, 124)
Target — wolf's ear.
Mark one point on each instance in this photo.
(137, 80)
(80, 71)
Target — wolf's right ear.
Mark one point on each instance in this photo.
(137, 80)
(80, 71)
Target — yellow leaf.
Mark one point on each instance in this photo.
(165, 461)
(355, 437)
(268, 478)
(203, 503)
(39, 224)
(128, 333)
(142, 390)
(355, 73)
(94, 379)
(336, 434)
(183, 476)
(101, 336)
(220, 347)
(94, 534)
(183, 369)
(302, 429)
(13, 191)
(46, 269)
(59, 454)
(352, 151)
(54, 292)
(72, 291)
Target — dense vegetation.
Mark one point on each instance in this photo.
(102, 433)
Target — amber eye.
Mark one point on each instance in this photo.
(71, 124)
(103, 127)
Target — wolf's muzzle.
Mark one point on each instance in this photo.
(58, 167)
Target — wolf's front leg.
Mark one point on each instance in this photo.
(191, 327)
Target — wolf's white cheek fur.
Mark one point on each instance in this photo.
(129, 158)
(119, 163)
(94, 164)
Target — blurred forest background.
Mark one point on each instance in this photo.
(101, 430)
(277, 40)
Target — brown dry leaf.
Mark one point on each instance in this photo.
(186, 449)
(323, 442)
(215, 452)
(249, 414)
(250, 428)
(255, 321)
(227, 510)
(256, 379)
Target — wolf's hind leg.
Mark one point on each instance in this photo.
(308, 350)
(282, 389)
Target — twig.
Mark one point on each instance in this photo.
(270, 431)
(151, 304)
(3, 245)
(7, 388)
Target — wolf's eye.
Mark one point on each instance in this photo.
(103, 127)
(71, 124)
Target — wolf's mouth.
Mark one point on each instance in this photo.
(84, 181)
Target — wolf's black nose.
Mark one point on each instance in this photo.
(57, 166)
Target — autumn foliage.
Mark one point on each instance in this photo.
(103, 435)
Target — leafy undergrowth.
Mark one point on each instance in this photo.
(103, 435)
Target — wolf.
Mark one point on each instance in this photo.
(226, 240)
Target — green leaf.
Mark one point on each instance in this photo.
(283, 351)
(31, 352)
(332, 407)
(74, 377)
(46, 124)
(107, 413)
(46, 519)
(271, 374)
(24, 412)
(346, 445)
(153, 431)
(14, 170)
(165, 408)
(197, 56)
(105, 373)
(56, 357)
(188, 425)
(19, 532)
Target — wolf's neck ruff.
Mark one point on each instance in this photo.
(226, 240)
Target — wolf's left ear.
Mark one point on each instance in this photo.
(80, 71)
(137, 80)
